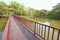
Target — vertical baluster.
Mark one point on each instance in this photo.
(58, 35)
(48, 33)
(35, 29)
(39, 29)
(53, 34)
(44, 32)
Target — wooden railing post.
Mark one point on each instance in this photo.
(58, 35)
(44, 32)
(53, 34)
(48, 33)
(35, 29)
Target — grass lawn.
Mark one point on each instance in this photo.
(2, 23)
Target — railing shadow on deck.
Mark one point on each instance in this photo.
(41, 30)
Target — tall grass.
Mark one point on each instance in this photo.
(2, 23)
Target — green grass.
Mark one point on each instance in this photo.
(2, 23)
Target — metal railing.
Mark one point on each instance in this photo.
(43, 31)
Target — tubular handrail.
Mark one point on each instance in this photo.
(44, 31)
(41, 24)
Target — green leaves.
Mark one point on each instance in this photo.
(55, 13)
(14, 8)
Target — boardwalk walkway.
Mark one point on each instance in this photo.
(17, 31)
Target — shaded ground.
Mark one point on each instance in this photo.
(27, 33)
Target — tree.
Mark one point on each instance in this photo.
(32, 12)
(17, 8)
(43, 13)
(3, 7)
(55, 13)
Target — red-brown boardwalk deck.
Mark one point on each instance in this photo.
(14, 30)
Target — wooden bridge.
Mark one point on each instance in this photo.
(18, 28)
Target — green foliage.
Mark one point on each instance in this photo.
(3, 7)
(55, 13)
(43, 13)
(2, 23)
(14, 8)
(32, 12)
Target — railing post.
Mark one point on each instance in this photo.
(35, 29)
(39, 29)
(53, 34)
(48, 33)
(58, 35)
(44, 32)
